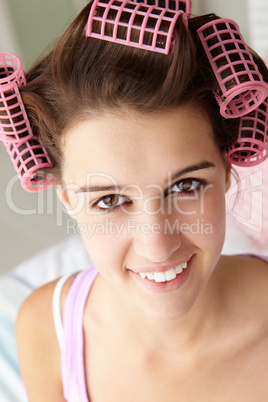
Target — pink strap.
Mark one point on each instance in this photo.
(73, 367)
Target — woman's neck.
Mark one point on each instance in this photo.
(202, 321)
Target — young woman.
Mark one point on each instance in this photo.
(139, 149)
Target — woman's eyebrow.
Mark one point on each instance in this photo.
(92, 189)
(199, 166)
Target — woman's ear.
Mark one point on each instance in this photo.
(67, 194)
(63, 197)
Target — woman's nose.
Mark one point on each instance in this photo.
(156, 238)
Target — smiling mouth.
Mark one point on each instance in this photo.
(165, 276)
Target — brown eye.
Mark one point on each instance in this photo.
(187, 185)
(110, 201)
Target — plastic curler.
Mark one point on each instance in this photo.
(14, 124)
(242, 88)
(184, 5)
(252, 143)
(27, 153)
(28, 157)
(133, 24)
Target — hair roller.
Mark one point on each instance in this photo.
(28, 157)
(133, 24)
(242, 88)
(184, 5)
(27, 153)
(251, 147)
(14, 125)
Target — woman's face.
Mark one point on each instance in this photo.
(148, 195)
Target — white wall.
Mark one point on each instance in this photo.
(232, 9)
(8, 38)
(258, 26)
(28, 222)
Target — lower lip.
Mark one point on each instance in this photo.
(168, 286)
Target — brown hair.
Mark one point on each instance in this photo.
(82, 77)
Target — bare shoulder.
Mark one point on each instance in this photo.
(243, 282)
(37, 343)
(247, 278)
(245, 271)
(246, 267)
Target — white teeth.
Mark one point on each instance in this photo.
(143, 275)
(171, 274)
(178, 269)
(159, 277)
(164, 276)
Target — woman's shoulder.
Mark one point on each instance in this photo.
(246, 270)
(39, 303)
(37, 310)
(37, 343)
(243, 282)
(246, 277)
(251, 264)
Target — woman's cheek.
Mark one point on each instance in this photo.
(103, 238)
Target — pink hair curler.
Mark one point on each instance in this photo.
(26, 152)
(133, 24)
(184, 5)
(252, 143)
(14, 125)
(28, 157)
(242, 88)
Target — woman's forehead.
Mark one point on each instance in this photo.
(131, 144)
(114, 129)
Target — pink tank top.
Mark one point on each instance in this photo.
(72, 356)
